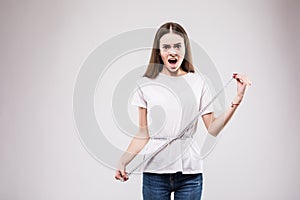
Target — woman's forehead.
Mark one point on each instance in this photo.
(171, 38)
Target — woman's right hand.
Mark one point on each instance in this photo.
(121, 173)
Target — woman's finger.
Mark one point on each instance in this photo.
(245, 79)
(118, 175)
(242, 79)
(121, 176)
(124, 175)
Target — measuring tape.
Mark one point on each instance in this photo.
(181, 132)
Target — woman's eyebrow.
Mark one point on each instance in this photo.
(174, 44)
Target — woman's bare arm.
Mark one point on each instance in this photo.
(215, 125)
(136, 145)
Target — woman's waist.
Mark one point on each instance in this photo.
(183, 137)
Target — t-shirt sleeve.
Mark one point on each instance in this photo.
(137, 99)
(205, 99)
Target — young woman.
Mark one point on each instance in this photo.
(171, 83)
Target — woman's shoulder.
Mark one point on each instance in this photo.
(196, 76)
(143, 80)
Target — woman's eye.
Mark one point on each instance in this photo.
(166, 47)
(177, 46)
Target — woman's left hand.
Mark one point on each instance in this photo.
(242, 83)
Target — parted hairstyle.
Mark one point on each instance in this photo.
(155, 64)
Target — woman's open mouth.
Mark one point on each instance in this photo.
(172, 61)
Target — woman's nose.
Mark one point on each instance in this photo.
(172, 51)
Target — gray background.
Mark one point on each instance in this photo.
(44, 43)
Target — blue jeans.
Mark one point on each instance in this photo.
(160, 186)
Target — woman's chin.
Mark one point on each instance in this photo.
(172, 68)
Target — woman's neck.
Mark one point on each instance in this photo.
(179, 72)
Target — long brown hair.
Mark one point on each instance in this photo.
(155, 64)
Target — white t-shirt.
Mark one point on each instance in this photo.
(172, 102)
